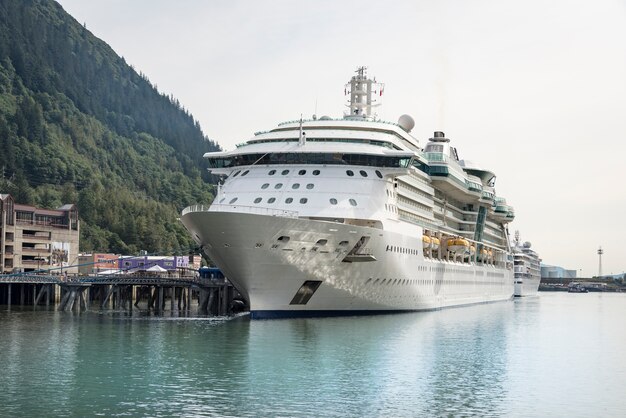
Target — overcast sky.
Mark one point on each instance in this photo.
(533, 90)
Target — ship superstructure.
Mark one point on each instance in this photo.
(352, 215)
(527, 267)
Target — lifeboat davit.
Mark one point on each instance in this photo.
(458, 245)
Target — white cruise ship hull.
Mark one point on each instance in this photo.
(394, 276)
(528, 286)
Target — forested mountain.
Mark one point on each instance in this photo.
(79, 125)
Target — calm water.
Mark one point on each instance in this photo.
(558, 354)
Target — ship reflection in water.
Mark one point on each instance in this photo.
(552, 355)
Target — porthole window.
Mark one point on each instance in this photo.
(302, 172)
(222, 199)
(316, 172)
(272, 172)
(343, 243)
(233, 200)
(363, 173)
(333, 201)
(295, 186)
(304, 200)
(237, 173)
(353, 202)
(379, 174)
(265, 186)
(257, 200)
(278, 185)
(244, 173)
(289, 200)
(285, 172)
(350, 173)
(310, 186)
(271, 200)
(321, 242)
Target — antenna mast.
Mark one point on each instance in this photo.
(362, 90)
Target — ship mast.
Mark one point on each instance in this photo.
(362, 90)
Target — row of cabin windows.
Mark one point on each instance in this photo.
(288, 200)
(294, 186)
(350, 173)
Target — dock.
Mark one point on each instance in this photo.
(143, 292)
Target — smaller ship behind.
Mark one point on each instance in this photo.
(527, 268)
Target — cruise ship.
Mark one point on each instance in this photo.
(354, 215)
(527, 265)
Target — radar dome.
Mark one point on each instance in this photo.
(406, 122)
(325, 118)
(527, 244)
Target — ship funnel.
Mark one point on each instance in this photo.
(439, 136)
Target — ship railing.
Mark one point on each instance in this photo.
(241, 209)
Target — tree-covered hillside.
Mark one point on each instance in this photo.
(77, 124)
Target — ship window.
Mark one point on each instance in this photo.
(363, 173)
(302, 172)
(295, 186)
(272, 172)
(321, 242)
(283, 238)
(304, 200)
(333, 201)
(257, 200)
(350, 173)
(237, 173)
(353, 202)
(379, 174)
(271, 200)
(289, 200)
(244, 173)
(285, 172)
(310, 186)
(343, 243)
(222, 199)
(265, 186)
(233, 200)
(316, 172)
(278, 185)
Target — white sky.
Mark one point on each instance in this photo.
(533, 90)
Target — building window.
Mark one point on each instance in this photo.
(289, 200)
(257, 200)
(333, 201)
(304, 200)
(233, 200)
(295, 186)
(302, 172)
(265, 186)
(350, 173)
(353, 202)
(316, 172)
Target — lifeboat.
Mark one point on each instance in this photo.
(458, 245)
(434, 241)
(426, 241)
(472, 250)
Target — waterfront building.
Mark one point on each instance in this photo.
(95, 263)
(145, 262)
(556, 272)
(34, 239)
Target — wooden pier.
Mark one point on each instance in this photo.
(216, 297)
